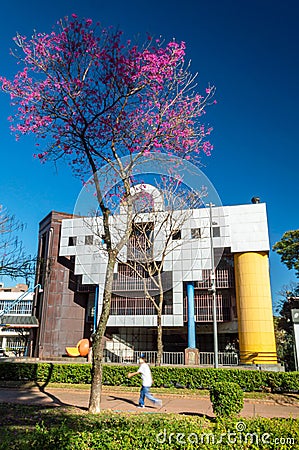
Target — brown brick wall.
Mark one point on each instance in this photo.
(61, 319)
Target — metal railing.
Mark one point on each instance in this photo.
(13, 303)
(126, 283)
(23, 307)
(173, 358)
(224, 279)
(125, 306)
(16, 346)
(203, 307)
(224, 358)
(140, 248)
(132, 357)
(168, 358)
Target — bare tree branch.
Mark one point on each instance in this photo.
(14, 262)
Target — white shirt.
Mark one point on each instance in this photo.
(146, 375)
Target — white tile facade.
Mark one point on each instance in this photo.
(243, 228)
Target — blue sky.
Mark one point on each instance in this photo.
(248, 49)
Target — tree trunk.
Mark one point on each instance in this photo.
(97, 346)
(159, 337)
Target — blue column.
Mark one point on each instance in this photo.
(191, 318)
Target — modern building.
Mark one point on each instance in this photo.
(16, 321)
(233, 238)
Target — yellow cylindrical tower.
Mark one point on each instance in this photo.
(254, 307)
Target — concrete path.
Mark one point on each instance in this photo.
(123, 401)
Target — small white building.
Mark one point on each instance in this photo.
(15, 318)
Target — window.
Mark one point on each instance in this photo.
(195, 233)
(176, 234)
(140, 244)
(89, 240)
(72, 241)
(216, 231)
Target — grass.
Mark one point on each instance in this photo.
(73, 428)
(69, 428)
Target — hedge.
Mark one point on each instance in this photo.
(116, 375)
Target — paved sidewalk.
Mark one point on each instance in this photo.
(124, 401)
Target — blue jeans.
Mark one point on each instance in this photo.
(145, 392)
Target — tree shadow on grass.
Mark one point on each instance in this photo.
(19, 422)
(205, 416)
(16, 414)
(57, 402)
(20, 390)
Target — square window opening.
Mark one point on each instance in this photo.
(176, 235)
(195, 233)
(216, 231)
(89, 240)
(72, 241)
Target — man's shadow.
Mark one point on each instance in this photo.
(126, 400)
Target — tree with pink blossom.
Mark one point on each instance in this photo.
(90, 97)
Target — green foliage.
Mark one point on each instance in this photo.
(27, 427)
(45, 372)
(288, 249)
(283, 326)
(227, 399)
(116, 375)
(284, 344)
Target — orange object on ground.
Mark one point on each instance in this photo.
(81, 349)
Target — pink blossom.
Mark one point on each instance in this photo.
(85, 91)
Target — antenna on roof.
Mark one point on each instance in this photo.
(255, 200)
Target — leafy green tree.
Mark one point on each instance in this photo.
(284, 327)
(288, 249)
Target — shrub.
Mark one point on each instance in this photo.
(226, 398)
(116, 375)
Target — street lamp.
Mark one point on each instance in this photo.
(213, 288)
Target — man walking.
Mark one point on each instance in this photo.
(147, 381)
